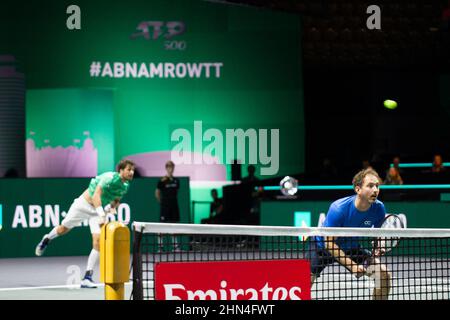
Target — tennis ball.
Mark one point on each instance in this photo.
(390, 104)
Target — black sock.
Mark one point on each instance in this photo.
(89, 273)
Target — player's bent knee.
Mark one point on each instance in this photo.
(384, 270)
(386, 275)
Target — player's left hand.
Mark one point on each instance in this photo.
(110, 209)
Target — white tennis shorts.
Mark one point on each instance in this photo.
(79, 211)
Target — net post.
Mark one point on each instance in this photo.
(114, 259)
(138, 291)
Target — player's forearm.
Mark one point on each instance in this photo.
(97, 197)
(338, 253)
(97, 200)
(99, 208)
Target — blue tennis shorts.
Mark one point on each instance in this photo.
(320, 258)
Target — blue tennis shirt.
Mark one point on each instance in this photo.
(343, 213)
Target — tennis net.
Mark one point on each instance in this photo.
(185, 261)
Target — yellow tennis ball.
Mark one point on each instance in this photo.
(390, 104)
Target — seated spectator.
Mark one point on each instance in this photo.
(396, 164)
(215, 208)
(438, 165)
(393, 177)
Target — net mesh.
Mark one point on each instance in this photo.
(413, 264)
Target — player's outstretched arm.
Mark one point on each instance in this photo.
(97, 201)
(340, 256)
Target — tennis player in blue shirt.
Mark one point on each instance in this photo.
(361, 210)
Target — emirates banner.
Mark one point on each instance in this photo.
(233, 280)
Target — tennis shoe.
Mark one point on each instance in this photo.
(88, 283)
(42, 245)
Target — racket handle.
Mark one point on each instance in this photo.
(374, 272)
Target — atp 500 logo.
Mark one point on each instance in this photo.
(155, 30)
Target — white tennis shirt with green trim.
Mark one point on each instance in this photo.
(112, 187)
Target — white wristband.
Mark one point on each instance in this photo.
(107, 208)
(100, 211)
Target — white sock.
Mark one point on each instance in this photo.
(53, 234)
(92, 260)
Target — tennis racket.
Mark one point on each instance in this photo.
(383, 245)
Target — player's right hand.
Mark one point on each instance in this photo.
(379, 252)
(358, 270)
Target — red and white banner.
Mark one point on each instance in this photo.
(233, 280)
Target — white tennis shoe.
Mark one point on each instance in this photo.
(88, 283)
(42, 245)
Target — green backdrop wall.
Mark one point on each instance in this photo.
(259, 85)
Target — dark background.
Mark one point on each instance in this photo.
(346, 120)
(350, 70)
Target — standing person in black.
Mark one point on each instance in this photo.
(166, 194)
(251, 197)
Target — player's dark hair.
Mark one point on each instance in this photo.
(359, 177)
(124, 163)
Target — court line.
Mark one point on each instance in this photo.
(69, 286)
